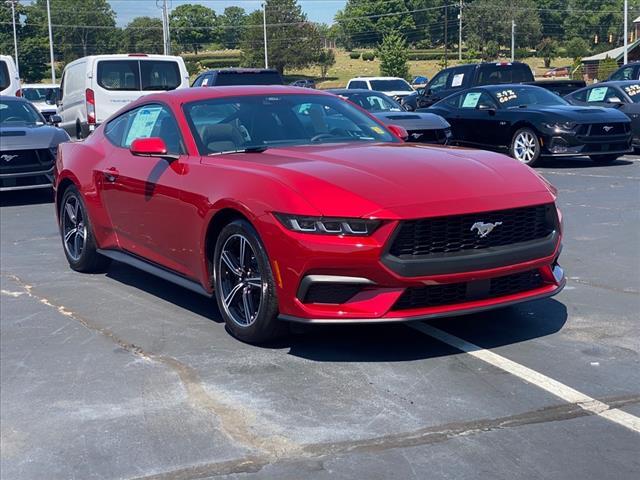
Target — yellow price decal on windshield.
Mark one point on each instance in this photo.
(378, 130)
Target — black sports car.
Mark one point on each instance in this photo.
(422, 127)
(624, 96)
(28, 146)
(532, 123)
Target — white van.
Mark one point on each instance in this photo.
(9, 79)
(95, 87)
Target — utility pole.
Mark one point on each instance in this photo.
(626, 31)
(446, 36)
(264, 31)
(513, 40)
(460, 33)
(15, 35)
(53, 68)
(166, 37)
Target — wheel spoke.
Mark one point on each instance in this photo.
(247, 305)
(254, 282)
(237, 287)
(243, 248)
(70, 212)
(69, 234)
(77, 244)
(229, 262)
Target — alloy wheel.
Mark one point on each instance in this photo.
(241, 283)
(525, 146)
(74, 228)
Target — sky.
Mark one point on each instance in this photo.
(317, 10)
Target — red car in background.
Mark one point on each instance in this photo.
(296, 205)
(557, 72)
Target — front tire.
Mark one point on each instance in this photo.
(604, 159)
(244, 286)
(525, 147)
(78, 241)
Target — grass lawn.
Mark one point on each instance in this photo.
(346, 68)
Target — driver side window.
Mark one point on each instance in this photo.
(150, 121)
(439, 82)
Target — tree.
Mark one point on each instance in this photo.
(393, 56)
(587, 18)
(365, 22)
(193, 26)
(490, 20)
(577, 48)
(34, 59)
(232, 23)
(547, 49)
(142, 35)
(606, 67)
(81, 27)
(326, 59)
(292, 41)
(491, 51)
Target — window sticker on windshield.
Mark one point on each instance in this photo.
(506, 95)
(205, 82)
(456, 81)
(143, 123)
(378, 130)
(471, 100)
(632, 90)
(597, 94)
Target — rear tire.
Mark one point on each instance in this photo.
(604, 159)
(78, 241)
(79, 135)
(525, 147)
(244, 286)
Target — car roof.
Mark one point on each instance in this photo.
(240, 70)
(502, 86)
(194, 94)
(615, 83)
(11, 97)
(377, 78)
(353, 90)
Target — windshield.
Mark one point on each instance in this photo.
(15, 112)
(633, 90)
(136, 75)
(373, 102)
(515, 97)
(238, 123)
(392, 85)
(40, 94)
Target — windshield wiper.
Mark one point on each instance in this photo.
(256, 149)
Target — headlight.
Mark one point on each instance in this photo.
(328, 225)
(561, 126)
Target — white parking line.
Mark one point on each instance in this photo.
(552, 386)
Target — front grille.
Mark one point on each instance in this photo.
(331, 292)
(442, 235)
(24, 161)
(452, 293)
(438, 136)
(604, 129)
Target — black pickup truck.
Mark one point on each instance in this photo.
(462, 77)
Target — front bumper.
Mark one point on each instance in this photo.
(370, 291)
(557, 144)
(26, 180)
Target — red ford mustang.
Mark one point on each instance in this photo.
(292, 204)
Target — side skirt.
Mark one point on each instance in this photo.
(155, 270)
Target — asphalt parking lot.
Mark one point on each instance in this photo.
(122, 375)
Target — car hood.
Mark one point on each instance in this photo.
(397, 93)
(577, 114)
(401, 180)
(31, 137)
(412, 120)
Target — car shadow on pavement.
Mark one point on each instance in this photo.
(399, 342)
(26, 197)
(579, 162)
(391, 342)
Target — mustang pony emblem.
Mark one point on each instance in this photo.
(8, 158)
(607, 128)
(484, 229)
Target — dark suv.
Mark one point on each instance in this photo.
(630, 71)
(225, 77)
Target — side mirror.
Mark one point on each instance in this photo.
(151, 147)
(55, 120)
(614, 101)
(398, 131)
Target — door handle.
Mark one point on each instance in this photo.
(111, 174)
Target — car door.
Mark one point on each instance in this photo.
(143, 195)
(435, 89)
(479, 118)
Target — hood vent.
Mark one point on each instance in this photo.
(403, 117)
